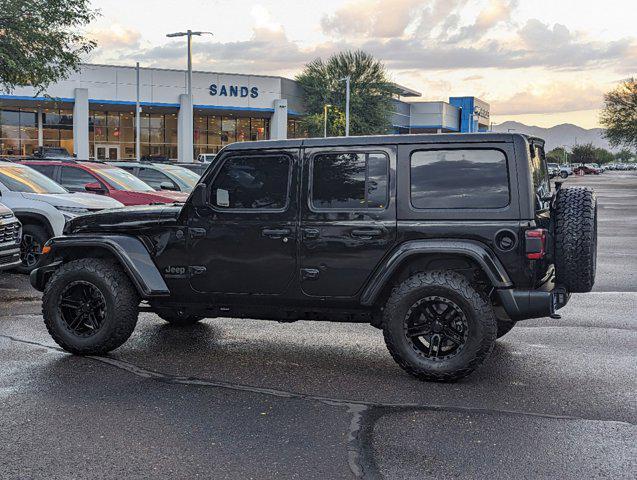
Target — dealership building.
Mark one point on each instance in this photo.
(92, 113)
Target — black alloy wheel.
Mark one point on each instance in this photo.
(30, 250)
(82, 308)
(436, 327)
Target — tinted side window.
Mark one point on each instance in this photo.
(154, 178)
(75, 178)
(350, 180)
(47, 170)
(252, 183)
(459, 179)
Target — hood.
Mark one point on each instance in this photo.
(129, 219)
(79, 200)
(147, 198)
(4, 210)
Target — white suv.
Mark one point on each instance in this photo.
(43, 207)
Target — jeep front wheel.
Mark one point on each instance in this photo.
(90, 306)
(438, 327)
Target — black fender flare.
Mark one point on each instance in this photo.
(129, 251)
(484, 257)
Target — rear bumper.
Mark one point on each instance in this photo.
(526, 304)
(9, 258)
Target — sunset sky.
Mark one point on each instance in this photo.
(540, 62)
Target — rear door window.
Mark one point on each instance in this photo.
(350, 181)
(461, 179)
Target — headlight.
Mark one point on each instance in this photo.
(75, 210)
(71, 212)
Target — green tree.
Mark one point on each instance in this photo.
(624, 155)
(619, 115)
(40, 41)
(557, 155)
(371, 94)
(603, 156)
(584, 154)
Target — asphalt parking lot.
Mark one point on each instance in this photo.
(248, 399)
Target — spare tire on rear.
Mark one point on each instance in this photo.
(575, 223)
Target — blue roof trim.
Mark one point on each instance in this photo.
(126, 102)
(221, 107)
(35, 99)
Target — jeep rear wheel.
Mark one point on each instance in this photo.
(438, 327)
(90, 306)
(575, 217)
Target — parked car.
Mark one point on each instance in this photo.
(197, 167)
(206, 157)
(52, 153)
(43, 207)
(10, 234)
(554, 169)
(587, 169)
(397, 231)
(103, 179)
(162, 176)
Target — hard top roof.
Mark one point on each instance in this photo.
(425, 138)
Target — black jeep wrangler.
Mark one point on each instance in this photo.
(442, 241)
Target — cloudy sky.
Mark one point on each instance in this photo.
(541, 62)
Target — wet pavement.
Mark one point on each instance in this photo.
(251, 399)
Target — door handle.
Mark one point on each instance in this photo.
(311, 232)
(276, 232)
(367, 232)
(197, 232)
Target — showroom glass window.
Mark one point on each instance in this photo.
(469, 179)
(252, 183)
(350, 181)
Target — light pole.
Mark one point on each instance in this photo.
(189, 33)
(347, 81)
(325, 119)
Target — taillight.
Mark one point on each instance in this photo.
(535, 243)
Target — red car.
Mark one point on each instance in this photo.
(103, 179)
(587, 169)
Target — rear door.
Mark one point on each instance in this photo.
(348, 217)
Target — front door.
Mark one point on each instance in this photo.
(348, 219)
(244, 240)
(107, 152)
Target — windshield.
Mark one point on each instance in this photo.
(188, 178)
(539, 171)
(20, 178)
(122, 180)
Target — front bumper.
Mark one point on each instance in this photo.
(526, 304)
(10, 258)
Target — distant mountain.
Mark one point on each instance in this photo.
(566, 134)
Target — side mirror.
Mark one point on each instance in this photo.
(94, 187)
(167, 186)
(199, 195)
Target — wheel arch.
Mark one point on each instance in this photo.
(421, 255)
(32, 218)
(128, 251)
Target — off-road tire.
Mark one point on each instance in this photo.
(179, 318)
(504, 327)
(575, 214)
(482, 325)
(40, 236)
(121, 311)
